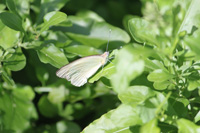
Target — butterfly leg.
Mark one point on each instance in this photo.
(110, 62)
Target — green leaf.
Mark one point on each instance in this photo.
(46, 108)
(26, 91)
(48, 6)
(81, 50)
(47, 55)
(135, 95)
(159, 75)
(95, 34)
(90, 14)
(128, 66)
(193, 85)
(9, 37)
(152, 65)
(11, 6)
(53, 18)
(161, 85)
(16, 110)
(15, 61)
(142, 32)
(6, 77)
(177, 107)
(150, 127)
(193, 42)
(126, 19)
(23, 7)
(197, 117)
(186, 126)
(115, 120)
(12, 21)
(191, 19)
(42, 74)
(107, 71)
(57, 95)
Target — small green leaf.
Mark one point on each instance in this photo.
(135, 95)
(47, 55)
(115, 120)
(186, 126)
(46, 108)
(161, 85)
(53, 18)
(150, 127)
(12, 21)
(142, 32)
(193, 85)
(152, 65)
(48, 6)
(42, 74)
(15, 61)
(9, 37)
(159, 75)
(197, 117)
(26, 91)
(57, 95)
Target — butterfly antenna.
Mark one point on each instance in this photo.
(108, 39)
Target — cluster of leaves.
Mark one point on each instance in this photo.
(152, 84)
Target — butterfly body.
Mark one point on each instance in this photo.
(80, 70)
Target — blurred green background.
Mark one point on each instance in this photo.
(152, 85)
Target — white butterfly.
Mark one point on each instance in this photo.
(80, 70)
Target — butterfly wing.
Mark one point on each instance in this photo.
(80, 70)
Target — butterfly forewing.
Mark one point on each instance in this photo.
(80, 70)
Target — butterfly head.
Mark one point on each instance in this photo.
(105, 56)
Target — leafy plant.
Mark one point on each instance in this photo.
(151, 85)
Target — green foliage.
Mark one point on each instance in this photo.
(150, 84)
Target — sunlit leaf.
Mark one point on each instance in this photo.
(128, 66)
(115, 120)
(53, 18)
(150, 127)
(9, 37)
(142, 32)
(135, 95)
(185, 125)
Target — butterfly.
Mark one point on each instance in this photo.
(81, 69)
